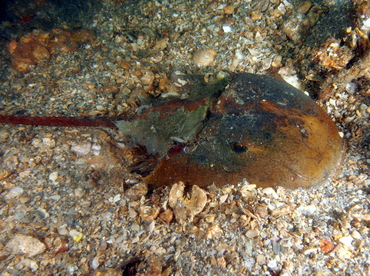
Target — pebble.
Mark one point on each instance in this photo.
(166, 216)
(304, 7)
(356, 235)
(71, 268)
(48, 142)
(76, 235)
(53, 176)
(95, 263)
(23, 244)
(137, 191)
(307, 210)
(11, 162)
(109, 272)
(272, 264)
(147, 78)
(31, 264)
(347, 241)
(24, 199)
(252, 233)
(295, 27)
(115, 199)
(81, 149)
(4, 174)
(204, 58)
(4, 134)
(261, 259)
(161, 44)
(37, 142)
(226, 28)
(55, 197)
(229, 10)
(14, 193)
(79, 192)
(256, 15)
(270, 191)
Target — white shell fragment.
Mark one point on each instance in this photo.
(23, 244)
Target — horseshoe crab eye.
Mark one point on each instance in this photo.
(238, 147)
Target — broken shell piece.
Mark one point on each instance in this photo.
(184, 207)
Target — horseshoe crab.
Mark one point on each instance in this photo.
(250, 127)
(256, 128)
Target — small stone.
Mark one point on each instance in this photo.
(37, 142)
(115, 199)
(256, 15)
(296, 27)
(304, 7)
(71, 268)
(55, 197)
(95, 263)
(48, 142)
(166, 216)
(53, 176)
(89, 86)
(125, 65)
(214, 231)
(333, 56)
(226, 28)
(11, 162)
(161, 44)
(270, 192)
(62, 231)
(276, 62)
(147, 78)
(137, 191)
(4, 134)
(14, 193)
(79, 192)
(272, 264)
(176, 193)
(4, 174)
(23, 244)
(252, 233)
(108, 272)
(31, 264)
(223, 198)
(347, 241)
(24, 199)
(76, 235)
(356, 235)
(229, 10)
(81, 149)
(197, 201)
(41, 53)
(204, 58)
(261, 259)
(149, 213)
(308, 210)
